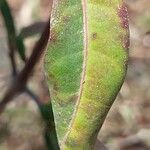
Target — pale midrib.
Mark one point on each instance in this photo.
(84, 5)
(85, 42)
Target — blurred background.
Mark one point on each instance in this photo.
(127, 126)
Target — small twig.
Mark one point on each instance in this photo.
(33, 96)
(13, 62)
(32, 29)
(35, 56)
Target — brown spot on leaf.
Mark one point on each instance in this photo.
(53, 36)
(94, 36)
(70, 99)
(123, 14)
(66, 19)
(124, 21)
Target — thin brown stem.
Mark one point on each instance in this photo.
(33, 96)
(32, 29)
(35, 56)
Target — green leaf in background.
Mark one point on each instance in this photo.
(50, 132)
(85, 64)
(8, 19)
(20, 47)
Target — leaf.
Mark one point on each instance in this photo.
(86, 64)
(50, 132)
(21, 47)
(8, 19)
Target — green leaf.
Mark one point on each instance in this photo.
(20, 47)
(50, 132)
(4, 7)
(86, 64)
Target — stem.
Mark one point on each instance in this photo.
(36, 55)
